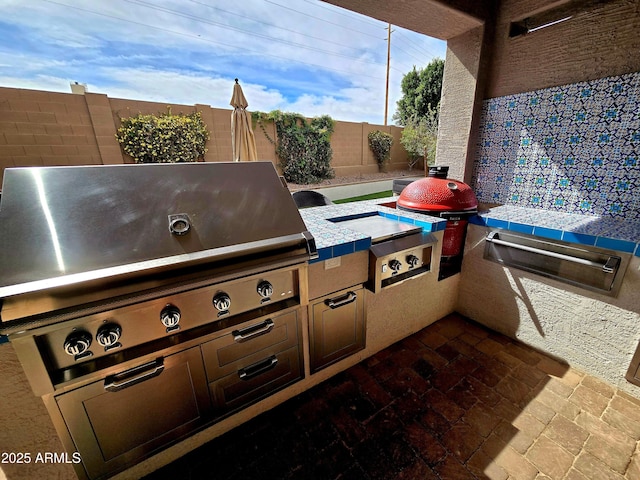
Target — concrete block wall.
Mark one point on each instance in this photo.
(44, 128)
(39, 128)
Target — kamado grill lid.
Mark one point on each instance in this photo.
(437, 193)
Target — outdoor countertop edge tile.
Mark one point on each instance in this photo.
(607, 232)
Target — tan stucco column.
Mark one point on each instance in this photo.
(460, 104)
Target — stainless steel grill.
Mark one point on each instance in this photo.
(163, 291)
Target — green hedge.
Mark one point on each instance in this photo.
(165, 138)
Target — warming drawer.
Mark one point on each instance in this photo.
(253, 361)
(251, 342)
(584, 266)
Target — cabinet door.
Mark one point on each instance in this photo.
(117, 421)
(337, 327)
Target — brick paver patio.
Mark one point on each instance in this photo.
(454, 401)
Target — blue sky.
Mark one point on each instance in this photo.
(306, 56)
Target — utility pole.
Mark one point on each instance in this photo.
(386, 95)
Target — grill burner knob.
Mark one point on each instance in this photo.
(265, 289)
(412, 260)
(77, 343)
(170, 317)
(395, 265)
(222, 302)
(108, 335)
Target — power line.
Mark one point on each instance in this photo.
(241, 30)
(203, 39)
(272, 25)
(336, 10)
(322, 19)
(421, 60)
(415, 45)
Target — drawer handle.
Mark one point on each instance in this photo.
(337, 302)
(253, 331)
(259, 368)
(128, 378)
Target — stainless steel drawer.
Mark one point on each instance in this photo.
(250, 343)
(256, 380)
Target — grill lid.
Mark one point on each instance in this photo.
(68, 225)
(437, 193)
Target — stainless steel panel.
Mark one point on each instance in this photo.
(112, 430)
(227, 353)
(393, 261)
(256, 381)
(69, 225)
(588, 267)
(141, 323)
(336, 327)
(379, 228)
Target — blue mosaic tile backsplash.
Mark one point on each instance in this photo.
(573, 148)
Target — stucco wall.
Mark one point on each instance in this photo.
(598, 42)
(590, 331)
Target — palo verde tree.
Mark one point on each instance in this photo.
(421, 90)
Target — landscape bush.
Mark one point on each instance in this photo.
(164, 138)
(380, 144)
(303, 147)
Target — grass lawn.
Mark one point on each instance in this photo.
(371, 196)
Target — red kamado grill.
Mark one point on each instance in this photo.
(442, 197)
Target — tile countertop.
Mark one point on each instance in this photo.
(334, 240)
(605, 232)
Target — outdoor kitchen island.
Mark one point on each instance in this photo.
(335, 279)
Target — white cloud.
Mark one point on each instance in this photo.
(308, 57)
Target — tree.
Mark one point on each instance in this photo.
(421, 90)
(419, 138)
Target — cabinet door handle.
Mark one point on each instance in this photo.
(259, 368)
(253, 331)
(128, 378)
(337, 302)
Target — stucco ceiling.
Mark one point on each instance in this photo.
(430, 17)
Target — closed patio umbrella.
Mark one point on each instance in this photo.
(242, 140)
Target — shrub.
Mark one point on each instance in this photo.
(380, 144)
(303, 147)
(165, 138)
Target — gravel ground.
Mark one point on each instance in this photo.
(362, 178)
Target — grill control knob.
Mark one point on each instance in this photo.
(222, 302)
(395, 265)
(77, 343)
(265, 289)
(108, 335)
(413, 261)
(170, 317)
